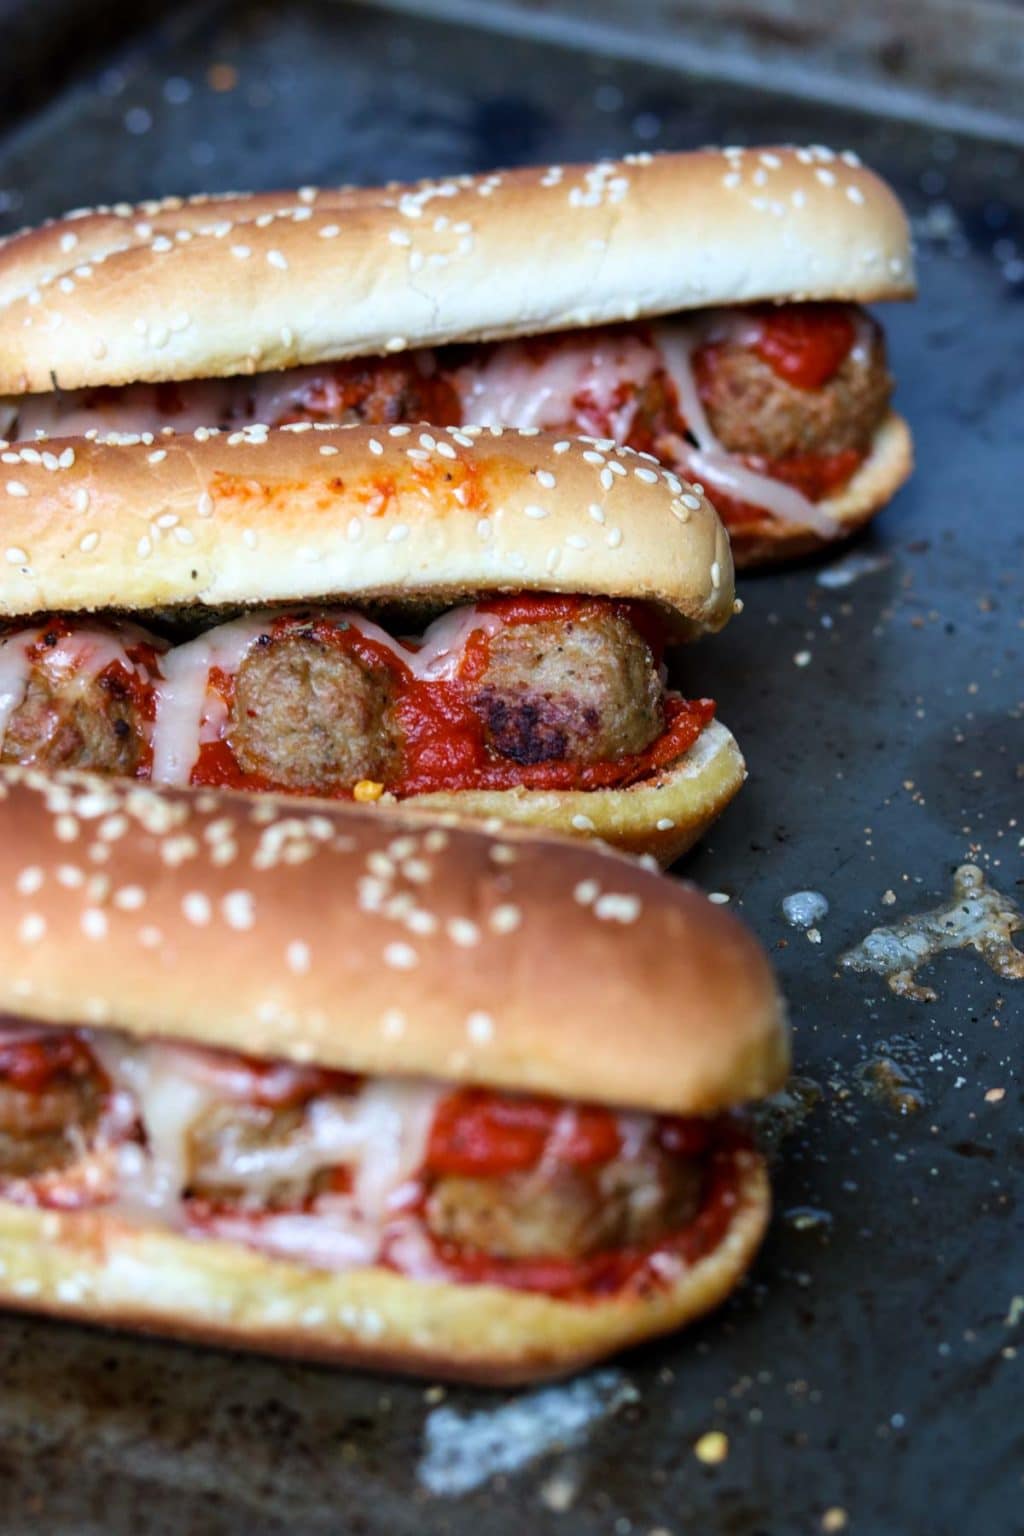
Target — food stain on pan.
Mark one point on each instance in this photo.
(843, 573)
(783, 1114)
(976, 917)
(464, 1450)
(891, 1083)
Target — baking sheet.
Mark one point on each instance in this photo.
(866, 1379)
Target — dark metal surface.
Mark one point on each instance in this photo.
(866, 1378)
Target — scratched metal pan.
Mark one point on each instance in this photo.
(866, 1379)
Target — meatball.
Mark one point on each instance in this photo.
(77, 721)
(753, 410)
(311, 716)
(571, 1213)
(229, 1140)
(52, 1093)
(373, 391)
(587, 690)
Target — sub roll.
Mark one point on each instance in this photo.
(457, 619)
(308, 1080)
(705, 307)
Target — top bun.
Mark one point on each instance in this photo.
(221, 286)
(378, 943)
(414, 517)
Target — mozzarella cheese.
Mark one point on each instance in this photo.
(189, 713)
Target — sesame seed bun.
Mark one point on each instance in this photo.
(380, 946)
(221, 286)
(376, 518)
(376, 944)
(767, 540)
(90, 1267)
(412, 516)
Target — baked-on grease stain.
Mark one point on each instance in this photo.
(977, 917)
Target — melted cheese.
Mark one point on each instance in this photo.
(82, 655)
(380, 1132)
(710, 463)
(554, 386)
(188, 712)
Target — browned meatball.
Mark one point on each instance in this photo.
(80, 722)
(51, 1096)
(587, 690)
(752, 410)
(233, 1148)
(570, 1213)
(310, 716)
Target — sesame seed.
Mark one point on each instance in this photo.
(237, 908)
(328, 450)
(241, 251)
(480, 1027)
(586, 892)
(70, 876)
(375, 447)
(329, 231)
(718, 898)
(196, 908)
(855, 194)
(277, 259)
(393, 1024)
(399, 237)
(592, 457)
(144, 548)
(29, 880)
(665, 824)
(648, 476)
(577, 541)
(398, 533)
(826, 177)
(80, 500)
(546, 479)
(157, 456)
(691, 501)
(613, 538)
(607, 478)
(400, 957)
(16, 488)
(615, 908)
(716, 575)
(506, 918)
(298, 957)
(129, 898)
(583, 824)
(395, 344)
(463, 932)
(399, 431)
(32, 928)
(88, 542)
(16, 555)
(534, 511)
(94, 923)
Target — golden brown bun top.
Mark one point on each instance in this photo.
(378, 943)
(238, 284)
(408, 515)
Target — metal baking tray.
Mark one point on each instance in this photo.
(866, 1378)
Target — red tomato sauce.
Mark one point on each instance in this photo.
(31, 1064)
(484, 1134)
(443, 737)
(617, 1271)
(805, 344)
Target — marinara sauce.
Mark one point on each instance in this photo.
(443, 737)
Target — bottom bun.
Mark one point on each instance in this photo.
(876, 482)
(90, 1267)
(662, 816)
